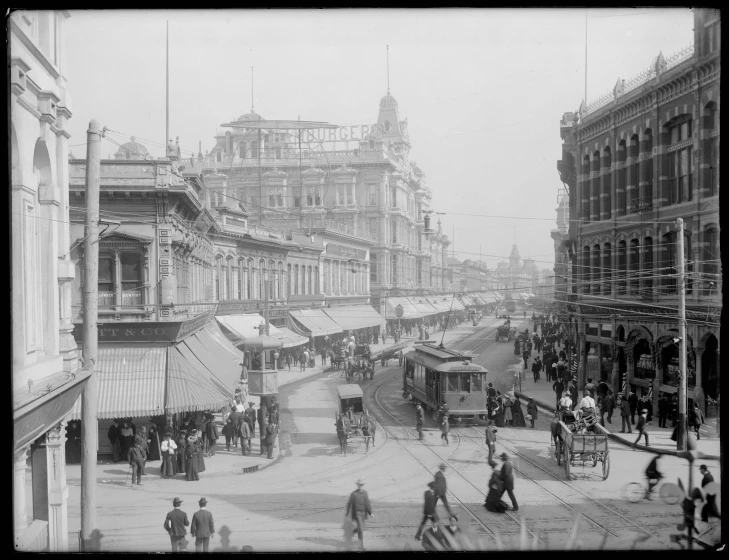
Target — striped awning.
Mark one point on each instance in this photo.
(189, 387)
(353, 317)
(290, 339)
(409, 310)
(422, 305)
(315, 321)
(131, 382)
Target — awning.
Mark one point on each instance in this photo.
(214, 331)
(422, 305)
(221, 370)
(409, 310)
(438, 302)
(467, 301)
(290, 339)
(499, 296)
(131, 381)
(244, 332)
(457, 305)
(189, 387)
(488, 297)
(352, 317)
(478, 298)
(315, 321)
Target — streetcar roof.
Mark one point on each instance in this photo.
(451, 366)
(349, 391)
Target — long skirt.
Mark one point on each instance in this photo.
(154, 451)
(169, 465)
(507, 414)
(181, 459)
(192, 470)
(200, 460)
(494, 502)
(518, 415)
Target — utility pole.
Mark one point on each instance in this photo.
(682, 439)
(260, 188)
(89, 397)
(265, 304)
(167, 91)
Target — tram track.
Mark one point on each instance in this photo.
(475, 517)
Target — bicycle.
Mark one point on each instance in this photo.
(669, 492)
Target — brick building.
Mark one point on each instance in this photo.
(634, 161)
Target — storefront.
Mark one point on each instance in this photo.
(362, 321)
(149, 372)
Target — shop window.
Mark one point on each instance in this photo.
(106, 281)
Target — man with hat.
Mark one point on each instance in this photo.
(243, 431)
(429, 513)
(359, 508)
(419, 416)
(250, 417)
(136, 457)
(640, 426)
(175, 523)
(507, 477)
(491, 440)
(270, 437)
(624, 407)
(202, 527)
(708, 488)
(441, 488)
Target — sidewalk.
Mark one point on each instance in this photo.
(659, 438)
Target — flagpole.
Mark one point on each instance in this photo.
(585, 58)
(167, 91)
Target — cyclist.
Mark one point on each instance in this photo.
(653, 475)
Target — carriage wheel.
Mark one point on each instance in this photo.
(606, 465)
(558, 452)
(367, 444)
(566, 461)
(595, 459)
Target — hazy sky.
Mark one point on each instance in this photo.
(483, 90)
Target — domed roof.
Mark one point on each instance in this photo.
(387, 102)
(252, 116)
(133, 149)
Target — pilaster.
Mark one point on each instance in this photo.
(20, 513)
(57, 489)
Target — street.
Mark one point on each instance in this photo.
(298, 503)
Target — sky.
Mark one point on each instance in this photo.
(483, 91)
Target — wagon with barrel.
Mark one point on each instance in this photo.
(361, 426)
(578, 441)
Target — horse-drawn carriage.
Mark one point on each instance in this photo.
(577, 440)
(360, 426)
(503, 333)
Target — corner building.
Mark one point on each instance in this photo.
(634, 161)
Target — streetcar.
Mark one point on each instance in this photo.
(435, 376)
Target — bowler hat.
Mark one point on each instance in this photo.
(703, 468)
(176, 502)
(645, 410)
(202, 501)
(442, 466)
(504, 456)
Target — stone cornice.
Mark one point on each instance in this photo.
(35, 51)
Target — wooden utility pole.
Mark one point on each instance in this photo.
(682, 439)
(89, 397)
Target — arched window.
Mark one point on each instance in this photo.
(606, 201)
(288, 280)
(586, 270)
(634, 257)
(620, 189)
(595, 187)
(648, 266)
(680, 162)
(262, 279)
(607, 271)
(584, 187)
(710, 261)
(647, 195)
(633, 192)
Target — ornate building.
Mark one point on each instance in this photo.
(46, 379)
(289, 182)
(637, 159)
(515, 274)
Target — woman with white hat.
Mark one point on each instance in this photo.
(192, 452)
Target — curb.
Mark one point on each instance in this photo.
(675, 453)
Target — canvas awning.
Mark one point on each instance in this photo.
(457, 305)
(189, 386)
(438, 302)
(290, 339)
(242, 331)
(220, 370)
(422, 305)
(352, 317)
(131, 382)
(315, 321)
(409, 310)
(488, 297)
(467, 301)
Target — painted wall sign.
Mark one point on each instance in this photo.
(167, 331)
(346, 252)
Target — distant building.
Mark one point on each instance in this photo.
(515, 274)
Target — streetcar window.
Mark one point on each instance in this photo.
(476, 383)
(465, 383)
(452, 382)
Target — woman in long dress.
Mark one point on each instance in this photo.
(126, 439)
(499, 417)
(182, 452)
(507, 412)
(494, 502)
(517, 414)
(199, 457)
(169, 463)
(192, 453)
(153, 454)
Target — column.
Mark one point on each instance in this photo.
(605, 185)
(20, 521)
(632, 174)
(595, 188)
(620, 180)
(117, 273)
(664, 188)
(57, 489)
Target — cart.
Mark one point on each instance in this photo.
(362, 426)
(577, 444)
(512, 333)
(502, 333)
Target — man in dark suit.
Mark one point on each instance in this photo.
(270, 438)
(429, 513)
(175, 523)
(262, 423)
(202, 527)
(710, 506)
(212, 432)
(441, 488)
(250, 417)
(662, 410)
(244, 431)
(633, 402)
(136, 457)
(507, 477)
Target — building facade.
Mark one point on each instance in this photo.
(291, 183)
(46, 378)
(516, 274)
(634, 161)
